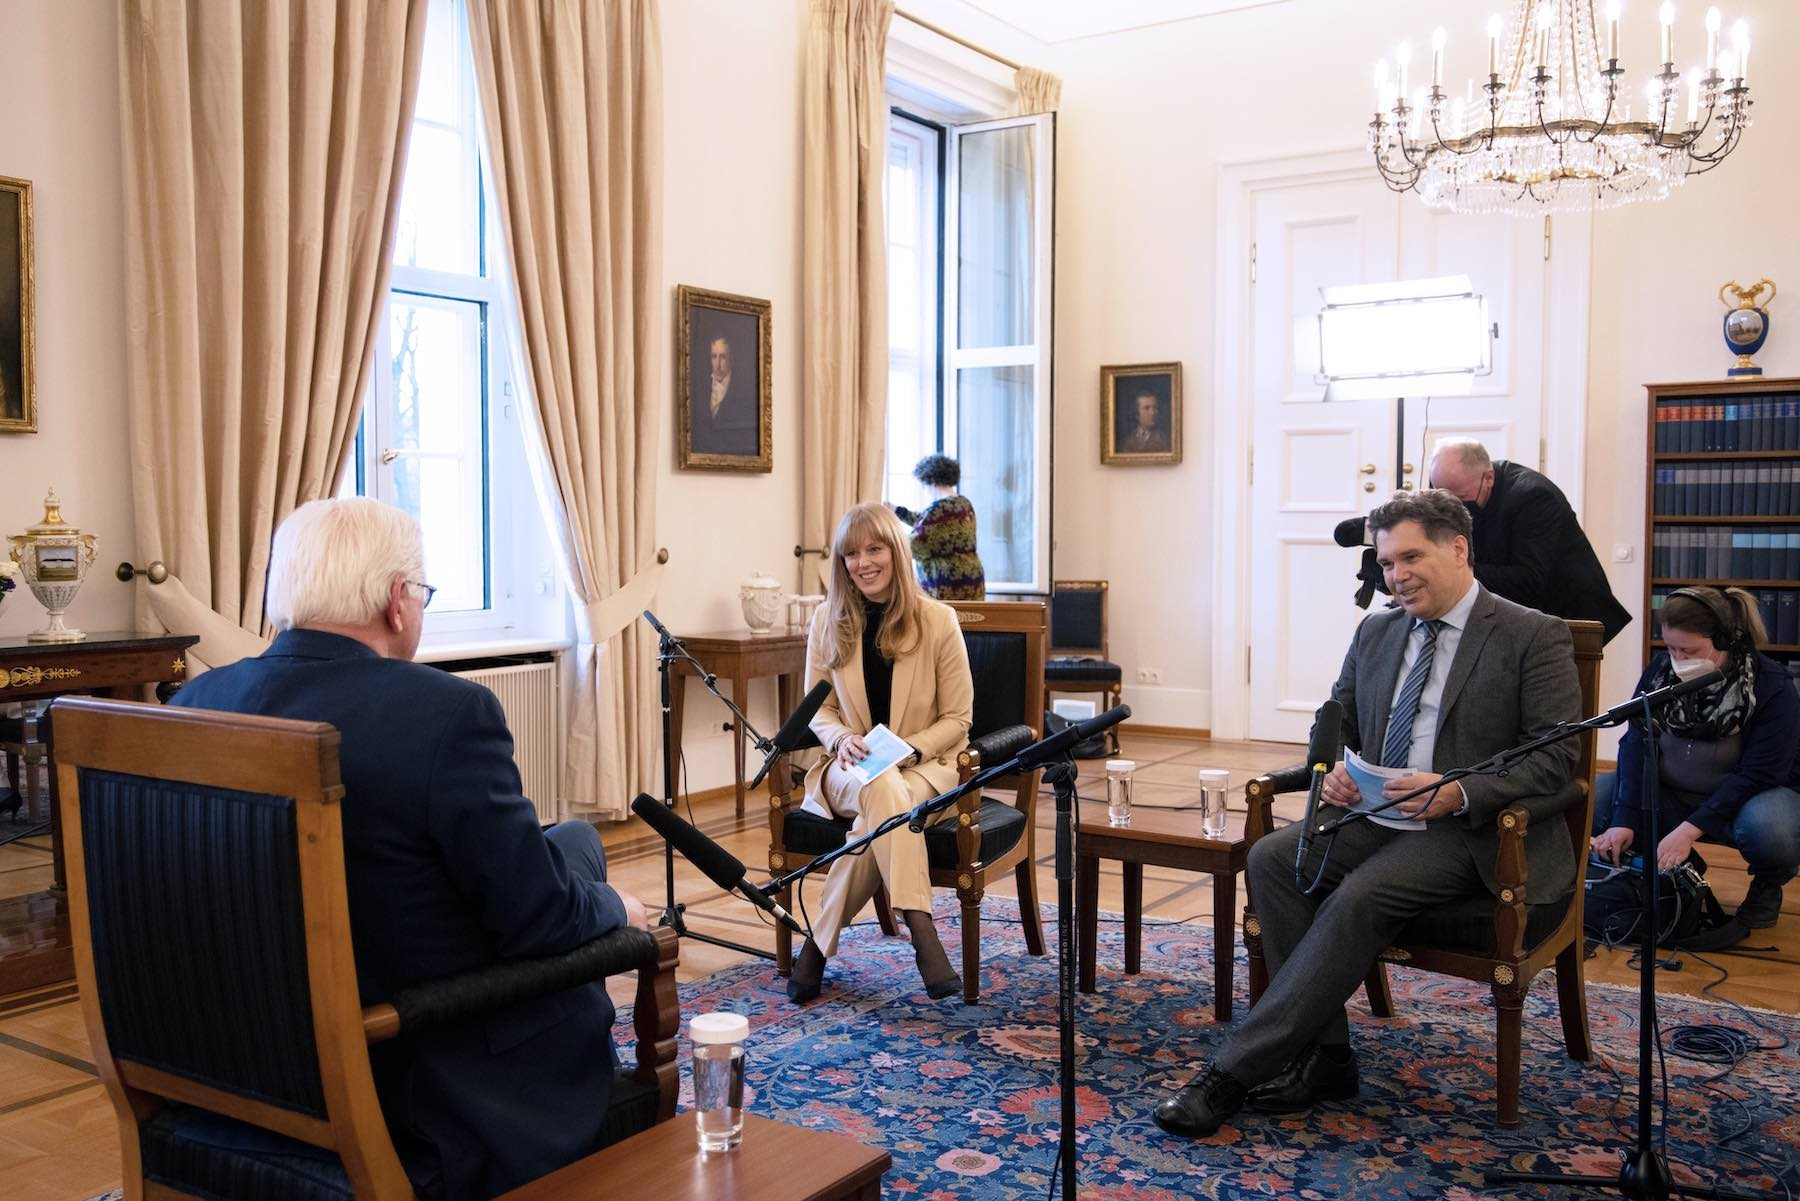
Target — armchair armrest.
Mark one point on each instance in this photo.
(1260, 794)
(996, 746)
(439, 1002)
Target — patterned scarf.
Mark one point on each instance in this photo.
(1715, 712)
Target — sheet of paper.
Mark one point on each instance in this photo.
(1370, 778)
(886, 748)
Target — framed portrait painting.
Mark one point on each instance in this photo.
(18, 387)
(1140, 414)
(722, 408)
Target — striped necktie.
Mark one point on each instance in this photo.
(1398, 744)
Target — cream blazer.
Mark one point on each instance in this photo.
(931, 705)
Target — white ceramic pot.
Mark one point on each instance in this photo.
(762, 600)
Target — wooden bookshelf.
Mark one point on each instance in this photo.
(1709, 428)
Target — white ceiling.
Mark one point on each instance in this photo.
(1065, 20)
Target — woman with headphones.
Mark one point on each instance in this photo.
(1730, 752)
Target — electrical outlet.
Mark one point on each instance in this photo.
(1149, 675)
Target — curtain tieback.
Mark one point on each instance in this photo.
(611, 614)
(221, 641)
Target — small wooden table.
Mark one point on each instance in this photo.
(776, 1162)
(741, 656)
(35, 945)
(1166, 838)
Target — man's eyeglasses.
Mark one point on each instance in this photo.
(430, 590)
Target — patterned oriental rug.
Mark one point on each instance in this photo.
(966, 1101)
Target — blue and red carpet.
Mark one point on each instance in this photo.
(965, 1098)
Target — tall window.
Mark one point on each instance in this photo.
(441, 435)
(969, 327)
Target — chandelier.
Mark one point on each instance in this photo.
(1553, 128)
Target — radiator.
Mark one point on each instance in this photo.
(528, 694)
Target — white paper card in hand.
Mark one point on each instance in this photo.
(1369, 778)
(886, 748)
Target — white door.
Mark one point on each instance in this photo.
(1315, 463)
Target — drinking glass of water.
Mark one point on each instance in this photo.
(1118, 791)
(719, 1078)
(1214, 783)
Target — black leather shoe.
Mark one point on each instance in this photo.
(949, 986)
(1314, 1076)
(1762, 904)
(807, 974)
(1202, 1104)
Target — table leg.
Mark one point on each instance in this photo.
(1087, 912)
(739, 685)
(1224, 942)
(1134, 917)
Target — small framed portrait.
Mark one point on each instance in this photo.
(1140, 414)
(722, 407)
(18, 388)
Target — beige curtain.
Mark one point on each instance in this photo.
(1039, 91)
(572, 95)
(263, 153)
(844, 264)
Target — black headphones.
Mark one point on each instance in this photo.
(1715, 602)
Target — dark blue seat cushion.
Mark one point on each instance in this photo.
(1071, 669)
(1001, 828)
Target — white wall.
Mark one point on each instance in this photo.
(61, 93)
(1149, 116)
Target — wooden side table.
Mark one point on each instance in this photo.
(741, 656)
(35, 945)
(1166, 838)
(776, 1162)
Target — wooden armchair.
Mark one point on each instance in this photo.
(1503, 942)
(985, 836)
(213, 951)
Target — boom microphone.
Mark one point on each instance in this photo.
(658, 626)
(718, 864)
(1663, 696)
(1080, 731)
(1352, 531)
(792, 734)
(1321, 756)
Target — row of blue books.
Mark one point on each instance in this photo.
(1768, 489)
(1745, 423)
(1705, 552)
(1780, 609)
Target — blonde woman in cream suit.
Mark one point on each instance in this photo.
(894, 657)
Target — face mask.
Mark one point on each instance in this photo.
(1692, 669)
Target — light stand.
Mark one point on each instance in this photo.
(670, 651)
(1644, 1172)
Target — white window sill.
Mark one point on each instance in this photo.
(450, 649)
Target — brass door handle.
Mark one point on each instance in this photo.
(1367, 469)
(1406, 468)
(1368, 485)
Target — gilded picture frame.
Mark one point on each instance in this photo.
(18, 377)
(1140, 414)
(723, 360)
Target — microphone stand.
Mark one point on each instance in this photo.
(1644, 1171)
(670, 651)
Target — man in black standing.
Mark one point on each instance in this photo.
(1529, 547)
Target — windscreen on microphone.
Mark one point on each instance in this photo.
(1351, 531)
(1327, 741)
(1696, 683)
(793, 731)
(720, 865)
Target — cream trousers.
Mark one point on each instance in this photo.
(896, 859)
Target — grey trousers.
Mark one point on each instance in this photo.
(1319, 948)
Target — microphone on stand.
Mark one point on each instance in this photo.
(659, 627)
(718, 864)
(1039, 752)
(1662, 696)
(792, 734)
(1352, 531)
(1321, 755)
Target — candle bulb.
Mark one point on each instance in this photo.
(1612, 30)
(1693, 81)
(1668, 32)
(1493, 30)
(1381, 83)
(1728, 63)
(1437, 58)
(1740, 41)
(1403, 57)
(1712, 39)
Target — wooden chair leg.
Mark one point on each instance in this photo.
(1571, 1002)
(971, 946)
(1029, 914)
(784, 939)
(1259, 970)
(1509, 1013)
(884, 912)
(1381, 1000)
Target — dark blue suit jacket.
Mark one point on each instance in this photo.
(448, 870)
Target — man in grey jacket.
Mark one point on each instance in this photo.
(1446, 679)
